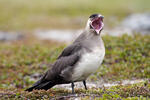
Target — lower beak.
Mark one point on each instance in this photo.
(97, 31)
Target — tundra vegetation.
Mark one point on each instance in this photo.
(127, 57)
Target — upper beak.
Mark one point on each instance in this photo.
(102, 17)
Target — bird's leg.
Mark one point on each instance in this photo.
(84, 83)
(72, 85)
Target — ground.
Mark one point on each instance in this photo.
(127, 58)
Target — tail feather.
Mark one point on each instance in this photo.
(45, 86)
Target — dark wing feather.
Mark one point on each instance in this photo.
(68, 57)
(61, 64)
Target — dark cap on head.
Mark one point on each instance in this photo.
(94, 15)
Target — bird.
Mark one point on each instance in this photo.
(77, 61)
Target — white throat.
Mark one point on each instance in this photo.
(88, 25)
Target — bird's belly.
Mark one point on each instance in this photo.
(88, 64)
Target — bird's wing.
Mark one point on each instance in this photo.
(70, 50)
(69, 57)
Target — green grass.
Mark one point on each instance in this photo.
(33, 14)
(127, 57)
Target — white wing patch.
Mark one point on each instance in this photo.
(89, 64)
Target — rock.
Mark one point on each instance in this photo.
(138, 23)
(10, 36)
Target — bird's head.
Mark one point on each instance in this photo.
(95, 23)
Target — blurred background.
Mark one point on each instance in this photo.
(29, 16)
(50, 14)
(34, 32)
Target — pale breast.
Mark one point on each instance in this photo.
(88, 64)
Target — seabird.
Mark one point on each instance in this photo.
(77, 61)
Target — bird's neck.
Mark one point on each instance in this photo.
(90, 33)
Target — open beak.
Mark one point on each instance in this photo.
(97, 24)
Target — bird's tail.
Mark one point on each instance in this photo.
(41, 85)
